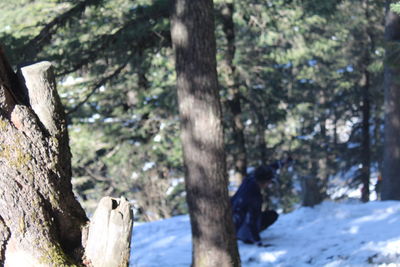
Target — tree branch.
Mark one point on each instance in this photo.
(33, 47)
(97, 86)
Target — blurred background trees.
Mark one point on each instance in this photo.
(297, 77)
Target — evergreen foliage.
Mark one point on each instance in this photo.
(299, 68)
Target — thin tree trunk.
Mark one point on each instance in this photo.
(365, 145)
(260, 124)
(322, 161)
(391, 157)
(214, 242)
(234, 94)
(366, 109)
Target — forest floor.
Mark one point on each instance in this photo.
(330, 234)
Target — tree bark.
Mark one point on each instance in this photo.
(239, 156)
(109, 235)
(391, 157)
(365, 145)
(366, 109)
(260, 124)
(321, 162)
(41, 222)
(214, 242)
(37, 204)
(311, 191)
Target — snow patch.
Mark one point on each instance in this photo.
(331, 234)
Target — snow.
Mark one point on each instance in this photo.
(331, 234)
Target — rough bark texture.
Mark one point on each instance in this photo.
(234, 94)
(391, 157)
(109, 236)
(37, 205)
(214, 242)
(41, 222)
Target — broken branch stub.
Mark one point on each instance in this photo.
(43, 97)
(110, 232)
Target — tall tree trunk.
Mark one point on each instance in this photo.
(260, 124)
(366, 109)
(391, 156)
(234, 94)
(41, 222)
(323, 159)
(365, 145)
(214, 242)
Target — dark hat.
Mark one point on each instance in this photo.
(263, 173)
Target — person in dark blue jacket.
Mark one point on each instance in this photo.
(248, 217)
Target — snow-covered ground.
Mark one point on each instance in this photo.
(330, 234)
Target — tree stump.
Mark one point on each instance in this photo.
(41, 222)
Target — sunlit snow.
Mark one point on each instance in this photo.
(331, 234)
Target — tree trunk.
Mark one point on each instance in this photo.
(365, 145)
(214, 242)
(322, 159)
(234, 95)
(260, 124)
(366, 109)
(310, 191)
(391, 156)
(41, 222)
